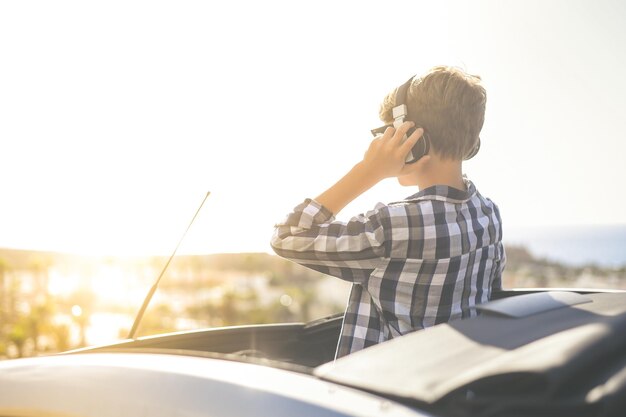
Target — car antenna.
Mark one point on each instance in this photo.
(142, 310)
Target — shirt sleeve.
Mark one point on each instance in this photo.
(312, 237)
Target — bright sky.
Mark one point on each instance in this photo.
(117, 117)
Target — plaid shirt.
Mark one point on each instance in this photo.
(415, 263)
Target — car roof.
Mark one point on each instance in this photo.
(537, 349)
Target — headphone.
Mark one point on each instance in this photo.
(399, 113)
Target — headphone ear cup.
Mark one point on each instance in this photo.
(474, 151)
(420, 149)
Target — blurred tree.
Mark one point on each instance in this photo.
(4, 267)
(227, 311)
(19, 334)
(39, 267)
(61, 336)
(40, 321)
(79, 305)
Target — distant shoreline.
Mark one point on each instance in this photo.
(601, 245)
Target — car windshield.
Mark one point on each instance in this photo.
(119, 117)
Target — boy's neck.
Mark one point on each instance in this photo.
(442, 172)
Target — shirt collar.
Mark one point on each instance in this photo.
(444, 193)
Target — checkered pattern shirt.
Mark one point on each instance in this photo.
(414, 263)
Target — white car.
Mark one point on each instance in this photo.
(529, 353)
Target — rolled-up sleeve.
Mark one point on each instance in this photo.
(312, 237)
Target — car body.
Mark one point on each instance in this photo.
(529, 352)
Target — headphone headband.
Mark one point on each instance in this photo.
(403, 91)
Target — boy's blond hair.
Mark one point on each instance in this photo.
(449, 104)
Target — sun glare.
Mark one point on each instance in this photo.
(77, 311)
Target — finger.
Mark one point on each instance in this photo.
(401, 131)
(411, 140)
(389, 132)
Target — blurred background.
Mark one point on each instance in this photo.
(116, 118)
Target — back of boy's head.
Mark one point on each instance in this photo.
(449, 104)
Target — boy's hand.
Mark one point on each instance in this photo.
(386, 156)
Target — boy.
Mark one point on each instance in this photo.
(427, 259)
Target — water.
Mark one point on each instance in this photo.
(603, 245)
